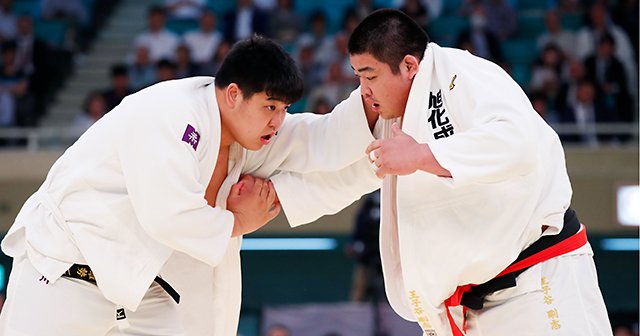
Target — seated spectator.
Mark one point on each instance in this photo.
(607, 72)
(547, 73)
(625, 15)
(585, 111)
(285, 23)
(183, 66)
(556, 34)
(119, 86)
(417, 11)
(318, 37)
(165, 70)
(502, 19)
(142, 72)
(210, 68)
(335, 88)
(45, 65)
(204, 41)
(8, 21)
(93, 108)
(310, 69)
(246, 20)
(161, 42)
(321, 106)
(184, 9)
(575, 74)
(13, 85)
(361, 9)
(278, 330)
(541, 105)
(599, 24)
(478, 39)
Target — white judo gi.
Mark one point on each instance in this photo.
(508, 181)
(128, 197)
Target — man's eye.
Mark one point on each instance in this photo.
(271, 107)
(371, 78)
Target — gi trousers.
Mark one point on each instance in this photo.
(559, 297)
(73, 307)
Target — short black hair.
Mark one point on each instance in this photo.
(119, 69)
(388, 35)
(258, 65)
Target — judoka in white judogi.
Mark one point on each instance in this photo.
(437, 233)
(127, 199)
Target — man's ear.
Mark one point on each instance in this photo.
(232, 95)
(409, 65)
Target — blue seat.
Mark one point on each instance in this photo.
(27, 7)
(520, 51)
(181, 26)
(571, 22)
(445, 29)
(51, 31)
(531, 25)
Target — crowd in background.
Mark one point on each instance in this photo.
(580, 74)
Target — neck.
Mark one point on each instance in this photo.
(226, 137)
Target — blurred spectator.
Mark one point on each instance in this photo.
(183, 66)
(210, 68)
(8, 21)
(365, 248)
(321, 106)
(434, 8)
(540, 104)
(278, 330)
(70, 10)
(547, 73)
(598, 25)
(349, 23)
(556, 34)
(161, 42)
(502, 19)
(417, 11)
(93, 108)
(204, 41)
(607, 72)
(285, 23)
(335, 88)
(478, 39)
(165, 70)
(246, 20)
(361, 9)
(310, 69)
(625, 14)
(584, 112)
(319, 39)
(119, 86)
(13, 85)
(142, 72)
(184, 9)
(575, 74)
(342, 57)
(46, 66)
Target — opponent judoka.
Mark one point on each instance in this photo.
(475, 195)
(128, 201)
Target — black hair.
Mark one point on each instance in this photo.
(119, 69)
(258, 65)
(388, 35)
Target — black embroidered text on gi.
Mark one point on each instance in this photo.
(439, 122)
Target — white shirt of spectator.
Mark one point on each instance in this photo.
(203, 45)
(161, 44)
(243, 28)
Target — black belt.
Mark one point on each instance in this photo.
(84, 272)
(475, 298)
